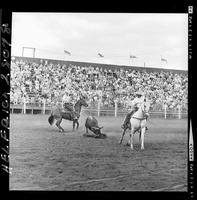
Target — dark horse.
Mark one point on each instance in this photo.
(58, 113)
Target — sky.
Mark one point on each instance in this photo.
(115, 35)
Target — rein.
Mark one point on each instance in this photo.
(139, 118)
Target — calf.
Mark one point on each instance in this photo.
(92, 124)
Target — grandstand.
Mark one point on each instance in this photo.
(39, 81)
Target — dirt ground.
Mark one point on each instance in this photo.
(42, 158)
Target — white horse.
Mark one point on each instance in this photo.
(138, 123)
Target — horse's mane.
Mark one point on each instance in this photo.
(76, 105)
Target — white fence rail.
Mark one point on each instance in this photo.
(97, 111)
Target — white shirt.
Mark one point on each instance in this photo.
(137, 101)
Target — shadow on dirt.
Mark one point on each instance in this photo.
(101, 136)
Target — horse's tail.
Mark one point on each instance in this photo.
(51, 119)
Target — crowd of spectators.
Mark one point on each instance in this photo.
(46, 81)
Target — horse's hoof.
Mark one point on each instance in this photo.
(103, 136)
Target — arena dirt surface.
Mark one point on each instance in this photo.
(42, 158)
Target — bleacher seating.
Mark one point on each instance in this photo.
(36, 81)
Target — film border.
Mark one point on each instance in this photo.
(5, 19)
(5, 50)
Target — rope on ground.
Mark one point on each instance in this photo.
(169, 188)
(95, 180)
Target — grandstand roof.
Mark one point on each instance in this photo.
(105, 66)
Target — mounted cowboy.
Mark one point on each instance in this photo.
(136, 120)
(137, 101)
(68, 105)
(69, 112)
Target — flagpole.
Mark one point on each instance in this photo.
(163, 60)
(130, 63)
(132, 57)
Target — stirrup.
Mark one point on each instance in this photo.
(75, 117)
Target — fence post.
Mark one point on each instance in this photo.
(99, 108)
(62, 104)
(179, 111)
(44, 105)
(165, 108)
(24, 105)
(116, 107)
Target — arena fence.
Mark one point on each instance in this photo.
(98, 110)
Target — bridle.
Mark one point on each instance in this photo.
(143, 111)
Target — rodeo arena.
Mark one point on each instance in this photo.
(80, 125)
(93, 155)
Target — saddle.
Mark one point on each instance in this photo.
(72, 115)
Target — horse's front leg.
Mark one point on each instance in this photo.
(73, 125)
(77, 124)
(131, 138)
(142, 137)
(124, 131)
(86, 129)
(58, 124)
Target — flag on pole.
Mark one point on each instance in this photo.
(67, 52)
(100, 55)
(132, 56)
(164, 60)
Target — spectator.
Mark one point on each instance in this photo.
(53, 80)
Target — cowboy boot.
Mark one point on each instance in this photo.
(75, 115)
(126, 121)
(146, 120)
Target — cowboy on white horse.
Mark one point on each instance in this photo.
(137, 119)
(135, 104)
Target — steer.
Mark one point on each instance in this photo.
(92, 124)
